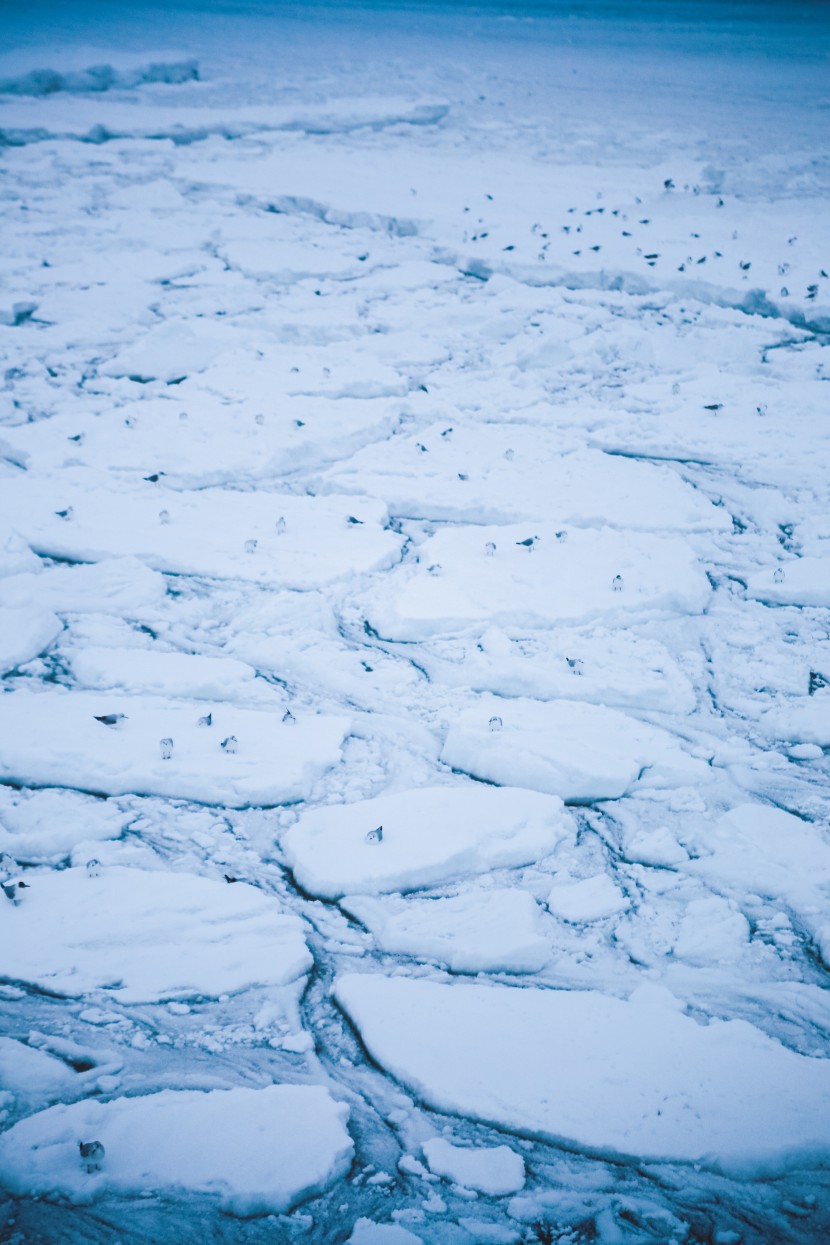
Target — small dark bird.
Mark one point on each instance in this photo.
(230, 744)
(375, 836)
(229, 879)
(65, 514)
(714, 406)
(154, 478)
(92, 1154)
(78, 438)
(528, 544)
(110, 719)
(353, 520)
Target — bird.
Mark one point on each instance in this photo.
(490, 548)
(576, 664)
(166, 746)
(154, 478)
(561, 536)
(528, 543)
(229, 878)
(206, 720)
(288, 718)
(617, 583)
(778, 575)
(92, 1154)
(12, 890)
(230, 744)
(375, 836)
(509, 455)
(280, 525)
(93, 868)
(110, 719)
(435, 568)
(250, 546)
(164, 516)
(65, 514)
(495, 724)
(351, 519)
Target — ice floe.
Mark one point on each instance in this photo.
(140, 936)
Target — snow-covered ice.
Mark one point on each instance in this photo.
(141, 936)
(585, 1069)
(430, 835)
(258, 1151)
(412, 422)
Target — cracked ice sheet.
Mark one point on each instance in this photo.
(53, 738)
(143, 936)
(258, 1151)
(298, 542)
(532, 576)
(622, 1079)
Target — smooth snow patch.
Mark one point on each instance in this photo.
(430, 835)
(259, 1151)
(588, 900)
(45, 825)
(53, 738)
(121, 586)
(144, 936)
(581, 1069)
(163, 674)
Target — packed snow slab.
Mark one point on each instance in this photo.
(278, 539)
(577, 751)
(493, 1170)
(600, 665)
(622, 1080)
(29, 1073)
(245, 757)
(259, 1151)
(145, 936)
(805, 721)
(536, 577)
(590, 899)
(429, 835)
(24, 633)
(481, 931)
(45, 825)
(509, 473)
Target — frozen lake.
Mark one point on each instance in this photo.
(415, 623)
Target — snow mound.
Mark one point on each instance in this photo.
(804, 721)
(367, 1232)
(483, 931)
(623, 1080)
(259, 1151)
(430, 835)
(53, 739)
(459, 581)
(579, 752)
(145, 936)
(495, 1170)
(588, 900)
(24, 633)
(494, 473)
(213, 532)
(31, 1074)
(45, 825)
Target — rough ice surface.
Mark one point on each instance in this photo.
(585, 1069)
(414, 590)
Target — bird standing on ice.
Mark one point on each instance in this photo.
(92, 1155)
